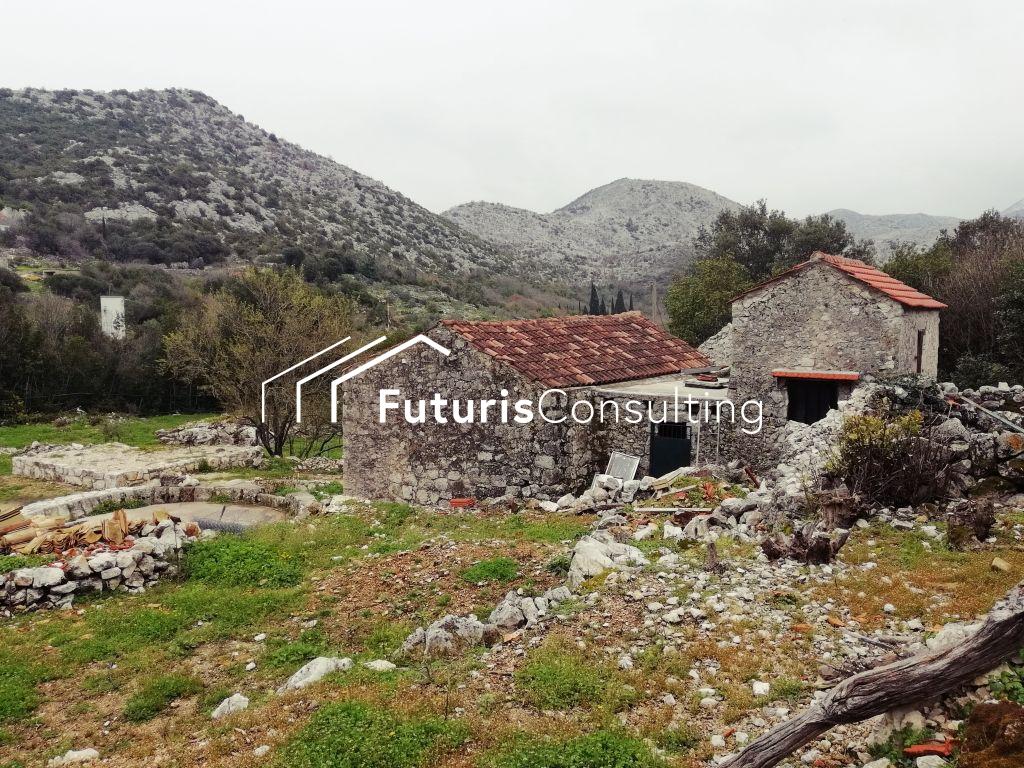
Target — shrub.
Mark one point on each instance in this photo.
(10, 563)
(503, 569)
(559, 676)
(234, 561)
(1009, 685)
(602, 749)
(887, 458)
(157, 694)
(351, 734)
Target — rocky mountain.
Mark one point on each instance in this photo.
(1016, 210)
(918, 228)
(173, 176)
(628, 231)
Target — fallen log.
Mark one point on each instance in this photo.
(902, 683)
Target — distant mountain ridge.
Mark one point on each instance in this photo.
(619, 232)
(918, 228)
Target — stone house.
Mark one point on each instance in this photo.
(563, 366)
(801, 341)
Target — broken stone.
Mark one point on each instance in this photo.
(380, 665)
(232, 704)
(314, 671)
(73, 756)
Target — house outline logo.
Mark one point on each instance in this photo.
(336, 383)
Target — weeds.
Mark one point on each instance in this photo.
(234, 561)
(351, 734)
(500, 569)
(157, 694)
(602, 749)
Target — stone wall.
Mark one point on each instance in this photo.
(820, 319)
(430, 463)
(113, 465)
(151, 556)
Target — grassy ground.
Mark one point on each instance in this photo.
(140, 432)
(152, 666)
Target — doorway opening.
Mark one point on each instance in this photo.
(810, 399)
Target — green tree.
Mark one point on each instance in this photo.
(595, 302)
(620, 303)
(250, 330)
(765, 241)
(699, 304)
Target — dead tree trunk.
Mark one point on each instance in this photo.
(902, 683)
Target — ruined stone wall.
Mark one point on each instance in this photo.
(431, 463)
(818, 319)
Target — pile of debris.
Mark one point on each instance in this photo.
(222, 432)
(450, 633)
(108, 555)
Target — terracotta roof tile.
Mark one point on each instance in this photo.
(865, 273)
(582, 349)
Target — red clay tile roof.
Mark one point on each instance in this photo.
(865, 273)
(582, 349)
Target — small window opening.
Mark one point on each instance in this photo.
(920, 351)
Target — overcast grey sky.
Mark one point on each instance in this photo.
(880, 106)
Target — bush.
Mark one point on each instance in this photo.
(602, 749)
(157, 695)
(235, 562)
(351, 734)
(503, 569)
(887, 458)
(560, 677)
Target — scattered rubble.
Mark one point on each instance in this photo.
(137, 563)
(222, 432)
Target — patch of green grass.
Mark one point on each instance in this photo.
(678, 738)
(311, 643)
(138, 432)
(560, 676)
(10, 563)
(18, 679)
(106, 507)
(130, 627)
(326, 490)
(788, 688)
(351, 734)
(547, 529)
(157, 694)
(602, 749)
(500, 569)
(386, 638)
(5, 464)
(236, 561)
(273, 467)
(314, 544)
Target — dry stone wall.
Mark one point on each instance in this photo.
(151, 556)
(113, 465)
